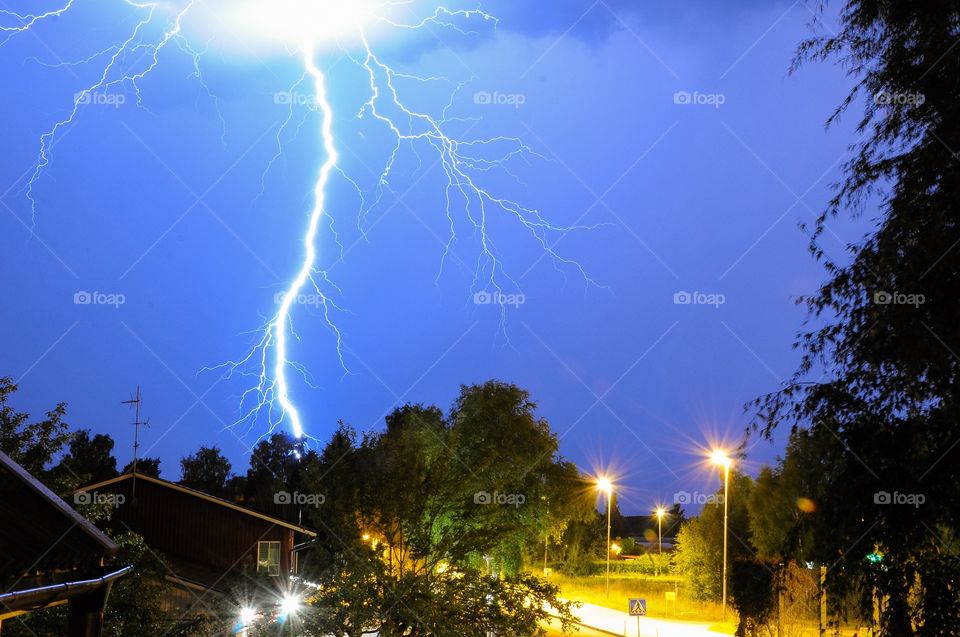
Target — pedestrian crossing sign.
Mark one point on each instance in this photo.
(638, 607)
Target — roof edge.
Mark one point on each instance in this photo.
(202, 496)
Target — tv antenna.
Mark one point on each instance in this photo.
(136, 402)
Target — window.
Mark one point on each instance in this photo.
(268, 558)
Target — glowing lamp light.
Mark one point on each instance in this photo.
(661, 512)
(289, 605)
(247, 615)
(720, 458)
(604, 484)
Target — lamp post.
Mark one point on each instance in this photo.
(720, 458)
(604, 485)
(660, 513)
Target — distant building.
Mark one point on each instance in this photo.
(206, 542)
(50, 555)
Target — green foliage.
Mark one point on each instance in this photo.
(206, 470)
(699, 552)
(410, 514)
(753, 594)
(780, 508)
(698, 559)
(646, 564)
(89, 459)
(882, 419)
(145, 467)
(31, 445)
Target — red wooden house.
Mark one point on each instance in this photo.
(205, 541)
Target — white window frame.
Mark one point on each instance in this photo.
(268, 557)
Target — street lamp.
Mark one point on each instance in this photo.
(604, 485)
(247, 615)
(721, 459)
(660, 513)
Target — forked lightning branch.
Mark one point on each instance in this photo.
(307, 30)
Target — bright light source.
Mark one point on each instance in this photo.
(720, 458)
(247, 615)
(289, 605)
(616, 548)
(293, 22)
(661, 512)
(604, 484)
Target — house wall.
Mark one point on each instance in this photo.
(195, 529)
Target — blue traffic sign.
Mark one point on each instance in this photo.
(638, 607)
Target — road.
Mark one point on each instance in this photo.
(620, 623)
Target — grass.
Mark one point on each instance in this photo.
(592, 590)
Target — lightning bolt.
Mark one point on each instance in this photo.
(280, 321)
(463, 161)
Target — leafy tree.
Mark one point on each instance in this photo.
(274, 465)
(699, 553)
(781, 504)
(145, 466)
(753, 594)
(207, 470)
(89, 459)
(882, 418)
(31, 445)
(410, 513)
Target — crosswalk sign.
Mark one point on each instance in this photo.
(638, 607)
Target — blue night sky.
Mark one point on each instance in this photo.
(160, 204)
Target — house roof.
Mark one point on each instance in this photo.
(202, 496)
(39, 529)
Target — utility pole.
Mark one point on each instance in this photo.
(136, 401)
